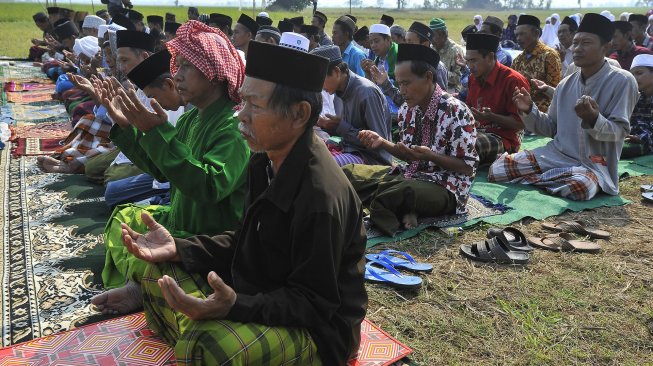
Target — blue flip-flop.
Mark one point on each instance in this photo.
(390, 277)
(408, 262)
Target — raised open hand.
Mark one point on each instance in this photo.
(139, 115)
(157, 245)
(522, 99)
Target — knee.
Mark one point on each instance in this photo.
(112, 194)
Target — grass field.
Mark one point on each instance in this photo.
(17, 28)
(561, 309)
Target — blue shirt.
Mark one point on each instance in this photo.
(503, 57)
(353, 57)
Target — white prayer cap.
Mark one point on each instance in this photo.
(624, 16)
(295, 41)
(380, 29)
(650, 17)
(263, 14)
(101, 30)
(478, 16)
(87, 46)
(92, 21)
(642, 60)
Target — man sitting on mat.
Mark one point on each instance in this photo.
(499, 127)
(288, 283)
(640, 140)
(437, 137)
(588, 120)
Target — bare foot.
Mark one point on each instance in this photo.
(49, 164)
(121, 300)
(410, 220)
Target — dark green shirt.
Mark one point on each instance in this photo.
(204, 159)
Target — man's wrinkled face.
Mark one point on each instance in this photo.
(621, 41)
(241, 36)
(414, 89)
(127, 59)
(565, 36)
(478, 64)
(439, 39)
(192, 85)
(262, 127)
(316, 23)
(380, 44)
(43, 25)
(527, 36)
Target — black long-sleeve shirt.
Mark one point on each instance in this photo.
(297, 259)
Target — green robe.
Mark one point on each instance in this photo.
(204, 158)
(390, 59)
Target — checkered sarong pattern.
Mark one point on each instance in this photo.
(89, 138)
(488, 146)
(576, 183)
(219, 342)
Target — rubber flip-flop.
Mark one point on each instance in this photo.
(564, 242)
(407, 262)
(577, 227)
(648, 197)
(493, 250)
(511, 236)
(388, 275)
(646, 188)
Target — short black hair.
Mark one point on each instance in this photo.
(341, 65)
(267, 35)
(283, 97)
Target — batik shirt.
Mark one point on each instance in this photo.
(447, 127)
(542, 63)
(641, 121)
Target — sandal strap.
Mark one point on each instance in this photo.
(560, 241)
(500, 255)
(385, 265)
(390, 252)
(482, 249)
(573, 226)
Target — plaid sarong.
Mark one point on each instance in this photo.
(576, 183)
(90, 137)
(488, 146)
(219, 342)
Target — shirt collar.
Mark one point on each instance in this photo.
(492, 77)
(284, 185)
(348, 49)
(216, 107)
(345, 93)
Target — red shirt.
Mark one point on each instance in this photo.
(626, 58)
(496, 94)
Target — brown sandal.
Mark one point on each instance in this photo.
(577, 227)
(564, 242)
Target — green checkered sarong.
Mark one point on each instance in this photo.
(219, 342)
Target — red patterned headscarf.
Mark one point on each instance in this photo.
(211, 52)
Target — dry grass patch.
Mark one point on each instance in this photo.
(562, 308)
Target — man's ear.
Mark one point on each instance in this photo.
(170, 83)
(301, 112)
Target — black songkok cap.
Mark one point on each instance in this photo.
(387, 20)
(134, 15)
(310, 30)
(150, 69)
(171, 27)
(40, 17)
(347, 22)
(623, 26)
(352, 18)
(361, 33)
(529, 20)
(67, 13)
(220, 20)
(249, 23)
(297, 21)
(286, 66)
(417, 52)
(123, 21)
(53, 10)
(263, 20)
(101, 12)
(156, 19)
(470, 29)
(320, 15)
(639, 18)
(135, 39)
(482, 41)
(285, 26)
(597, 24)
(573, 26)
(170, 17)
(65, 30)
(421, 29)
